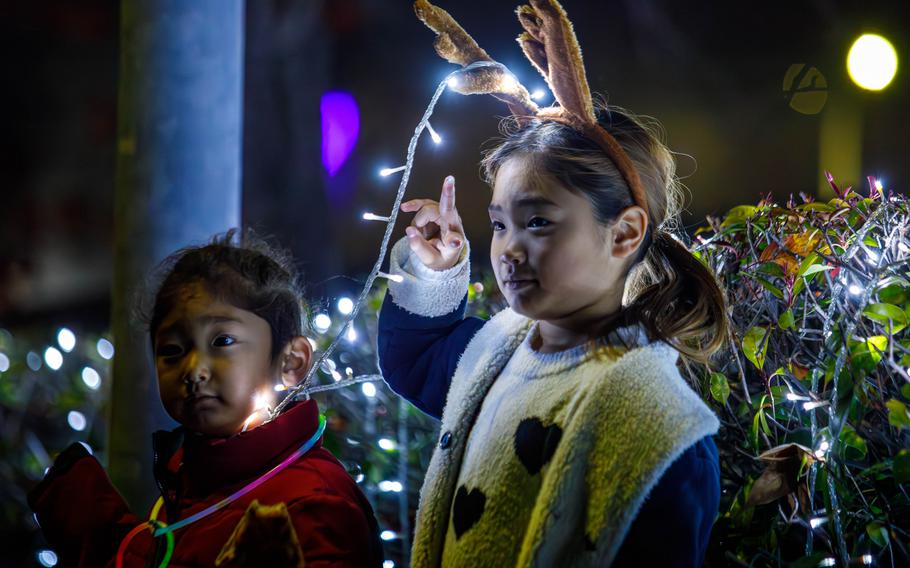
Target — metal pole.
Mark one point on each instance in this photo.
(178, 183)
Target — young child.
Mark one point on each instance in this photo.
(225, 328)
(568, 435)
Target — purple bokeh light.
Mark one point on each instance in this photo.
(340, 127)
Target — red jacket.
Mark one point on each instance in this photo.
(84, 518)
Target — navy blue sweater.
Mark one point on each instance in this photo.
(418, 356)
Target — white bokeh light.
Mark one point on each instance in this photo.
(345, 305)
(53, 358)
(66, 339)
(4, 363)
(387, 444)
(393, 486)
(369, 389)
(91, 378)
(76, 420)
(33, 360)
(105, 348)
(386, 172)
(322, 323)
(437, 139)
(47, 558)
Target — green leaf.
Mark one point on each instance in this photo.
(855, 444)
(878, 534)
(763, 420)
(771, 269)
(905, 391)
(755, 345)
(885, 313)
(894, 294)
(754, 431)
(897, 414)
(866, 353)
(815, 268)
(797, 288)
(740, 213)
(775, 291)
(811, 258)
(900, 466)
(786, 321)
(720, 388)
(815, 206)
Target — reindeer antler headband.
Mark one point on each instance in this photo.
(550, 44)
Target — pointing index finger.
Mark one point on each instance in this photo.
(447, 199)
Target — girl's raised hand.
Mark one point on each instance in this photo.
(436, 234)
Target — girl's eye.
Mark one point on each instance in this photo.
(169, 351)
(496, 226)
(223, 341)
(538, 222)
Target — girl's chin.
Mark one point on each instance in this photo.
(209, 426)
(523, 308)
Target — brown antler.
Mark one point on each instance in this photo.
(455, 45)
(550, 43)
(452, 43)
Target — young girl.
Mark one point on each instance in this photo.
(568, 436)
(226, 328)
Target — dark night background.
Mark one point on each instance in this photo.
(711, 72)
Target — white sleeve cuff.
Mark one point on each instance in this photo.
(424, 291)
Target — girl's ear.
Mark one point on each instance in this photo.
(296, 359)
(628, 231)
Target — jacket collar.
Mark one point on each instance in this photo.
(207, 464)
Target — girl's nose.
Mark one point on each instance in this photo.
(196, 370)
(507, 258)
(513, 254)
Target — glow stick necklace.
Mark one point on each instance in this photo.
(160, 529)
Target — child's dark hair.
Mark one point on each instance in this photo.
(669, 291)
(239, 268)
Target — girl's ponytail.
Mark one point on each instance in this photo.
(677, 299)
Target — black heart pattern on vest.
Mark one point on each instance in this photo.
(467, 509)
(536, 443)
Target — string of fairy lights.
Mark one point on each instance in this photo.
(301, 390)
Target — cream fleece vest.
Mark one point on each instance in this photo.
(636, 418)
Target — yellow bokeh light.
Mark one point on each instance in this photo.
(872, 62)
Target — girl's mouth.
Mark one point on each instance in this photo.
(516, 284)
(201, 401)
